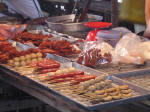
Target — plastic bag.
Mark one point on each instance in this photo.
(95, 53)
(128, 50)
(9, 31)
(146, 52)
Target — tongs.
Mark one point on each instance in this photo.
(83, 13)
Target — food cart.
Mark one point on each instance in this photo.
(45, 63)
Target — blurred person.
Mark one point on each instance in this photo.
(147, 18)
(27, 10)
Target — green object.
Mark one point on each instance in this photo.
(133, 11)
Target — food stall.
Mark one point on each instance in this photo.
(76, 74)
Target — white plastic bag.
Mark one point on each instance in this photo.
(128, 50)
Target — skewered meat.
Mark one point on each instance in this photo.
(62, 47)
(36, 39)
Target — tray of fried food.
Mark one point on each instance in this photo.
(103, 89)
(100, 89)
(141, 78)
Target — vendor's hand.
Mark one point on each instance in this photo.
(147, 33)
(37, 21)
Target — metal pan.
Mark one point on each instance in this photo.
(64, 24)
(139, 92)
(141, 78)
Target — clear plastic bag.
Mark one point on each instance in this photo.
(128, 50)
(9, 31)
(95, 53)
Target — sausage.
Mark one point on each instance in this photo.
(71, 74)
(47, 66)
(48, 70)
(85, 78)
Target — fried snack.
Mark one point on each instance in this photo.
(108, 98)
(100, 92)
(100, 78)
(123, 87)
(100, 97)
(126, 91)
(116, 97)
(110, 90)
(126, 95)
(114, 93)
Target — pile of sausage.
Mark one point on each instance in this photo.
(62, 47)
(71, 75)
(47, 65)
(94, 57)
(26, 37)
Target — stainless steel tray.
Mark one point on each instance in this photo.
(64, 24)
(122, 68)
(141, 78)
(140, 93)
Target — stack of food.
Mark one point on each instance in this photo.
(103, 89)
(70, 75)
(95, 54)
(25, 59)
(27, 37)
(47, 65)
(7, 52)
(98, 89)
(10, 55)
(62, 47)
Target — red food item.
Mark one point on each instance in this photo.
(49, 70)
(36, 39)
(48, 63)
(64, 79)
(85, 78)
(62, 47)
(48, 66)
(71, 74)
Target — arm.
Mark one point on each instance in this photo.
(147, 18)
(147, 12)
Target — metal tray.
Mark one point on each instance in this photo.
(141, 78)
(114, 69)
(64, 24)
(139, 92)
(57, 58)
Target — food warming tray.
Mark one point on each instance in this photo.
(141, 78)
(47, 94)
(115, 69)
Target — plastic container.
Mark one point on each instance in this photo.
(110, 36)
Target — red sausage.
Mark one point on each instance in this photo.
(48, 70)
(47, 66)
(85, 78)
(71, 74)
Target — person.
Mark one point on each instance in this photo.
(27, 8)
(147, 18)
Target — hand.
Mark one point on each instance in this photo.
(37, 21)
(147, 33)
